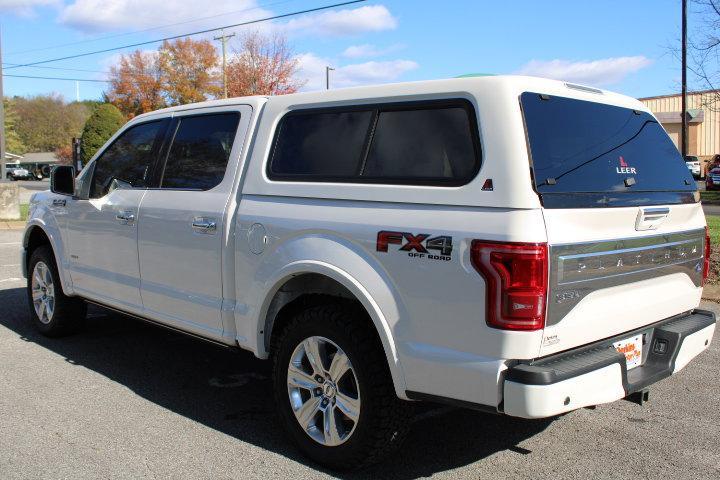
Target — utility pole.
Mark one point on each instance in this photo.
(2, 119)
(684, 133)
(223, 40)
(328, 69)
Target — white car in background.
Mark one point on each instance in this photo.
(693, 164)
(19, 174)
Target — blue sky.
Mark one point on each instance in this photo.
(618, 45)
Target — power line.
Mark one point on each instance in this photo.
(55, 68)
(275, 17)
(159, 27)
(57, 78)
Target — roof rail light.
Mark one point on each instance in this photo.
(583, 88)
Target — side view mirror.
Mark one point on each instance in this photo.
(62, 180)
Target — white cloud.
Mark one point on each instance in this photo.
(24, 7)
(366, 51)
(597, 72)
(373, 18)
(104, 15)
(312, 69)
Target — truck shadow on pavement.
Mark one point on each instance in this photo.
(230, 391)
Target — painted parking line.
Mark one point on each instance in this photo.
(10, 243)
(11, 279)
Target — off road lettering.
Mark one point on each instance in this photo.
(417, 245)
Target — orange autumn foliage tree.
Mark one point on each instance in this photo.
(136, 84)
(182, 71)
(186, 71)
(264, 65)
(189, 70)
(64, 155)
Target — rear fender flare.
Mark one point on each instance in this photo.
(356, 270)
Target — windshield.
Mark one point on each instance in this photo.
(612, 155)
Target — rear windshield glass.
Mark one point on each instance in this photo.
(586, 147)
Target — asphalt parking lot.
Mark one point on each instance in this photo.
(124, 399)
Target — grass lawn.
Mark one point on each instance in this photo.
(24, 207)
(712, 196)
(713, 222)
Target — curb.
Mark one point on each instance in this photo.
(11, 225)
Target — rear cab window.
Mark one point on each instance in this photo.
(587, 154)
(418, 143)
(200, 151)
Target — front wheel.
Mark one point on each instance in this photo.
(333, 388)
(52, 312)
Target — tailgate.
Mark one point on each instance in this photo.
(607, 277)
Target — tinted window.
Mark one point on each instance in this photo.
(127, 162)
(321, 144)
(586, 147)
(200, 151)
(428, 143)
(422, 144)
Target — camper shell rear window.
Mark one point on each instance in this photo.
(588, 154)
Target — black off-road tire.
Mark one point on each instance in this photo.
(68, 313)
(384, 418)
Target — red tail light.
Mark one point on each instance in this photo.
(708, 249)
(516, 275)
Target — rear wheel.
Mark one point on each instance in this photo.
(52, 312)
(333, 388)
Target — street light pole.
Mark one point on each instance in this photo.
(684, 133)
(223, 39)
(328, 69)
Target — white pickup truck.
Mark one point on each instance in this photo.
(511, 244)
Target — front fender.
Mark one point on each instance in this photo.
(42, 217)
(346, 263)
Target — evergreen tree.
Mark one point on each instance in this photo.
(102, 124)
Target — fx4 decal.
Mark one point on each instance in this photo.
(417, 246)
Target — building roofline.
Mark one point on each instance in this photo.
(670, 95)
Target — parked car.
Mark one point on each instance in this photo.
(386, 245)
(712, 179)
(19, 173)
(693, 164)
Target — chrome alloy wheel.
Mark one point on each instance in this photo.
(43, 292)
(323, 391)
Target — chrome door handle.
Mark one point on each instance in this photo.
(126, 218)
(204, 225)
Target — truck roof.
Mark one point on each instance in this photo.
(513, 83)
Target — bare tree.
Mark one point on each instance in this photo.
(704, 51)
(263, 65)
